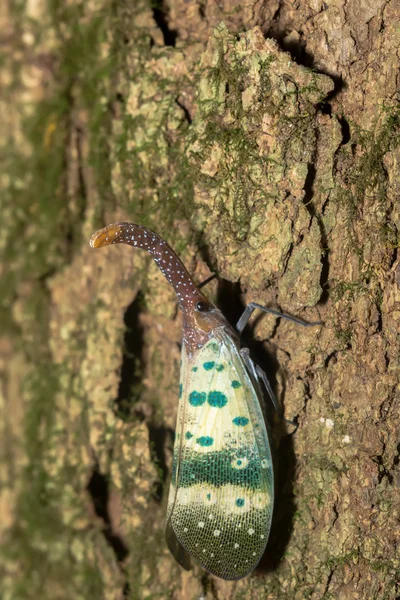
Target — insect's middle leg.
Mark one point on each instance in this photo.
(259, 374)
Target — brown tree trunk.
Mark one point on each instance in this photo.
(261, 139)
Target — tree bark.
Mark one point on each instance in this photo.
(261, 140)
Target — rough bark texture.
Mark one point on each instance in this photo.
(261, 139)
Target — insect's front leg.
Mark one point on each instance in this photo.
(250, 308)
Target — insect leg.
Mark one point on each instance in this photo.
(258, 374)
(262, 375)
(250, 308)
(206, 281)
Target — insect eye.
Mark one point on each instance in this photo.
(202, 306)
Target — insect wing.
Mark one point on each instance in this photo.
(221, 496)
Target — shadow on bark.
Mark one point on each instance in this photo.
(229, 301)
(132, 361)
(98, 488)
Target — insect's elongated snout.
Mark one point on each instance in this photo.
(165, 258)
(200, 316)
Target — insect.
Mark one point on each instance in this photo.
(222, 490)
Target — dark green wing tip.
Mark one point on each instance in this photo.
(181, 555)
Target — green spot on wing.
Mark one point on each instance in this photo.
(205, 440)
(213, 346)
(209, 365)
(240, 421)
(197, 398)
(236, 384)
(217, 399)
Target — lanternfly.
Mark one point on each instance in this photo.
(222, 490)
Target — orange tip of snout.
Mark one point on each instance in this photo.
(105, 236)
